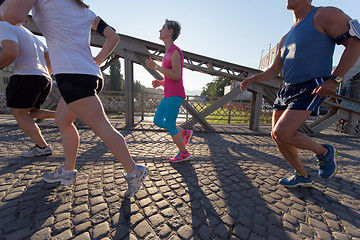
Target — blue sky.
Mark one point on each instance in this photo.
(235, 31)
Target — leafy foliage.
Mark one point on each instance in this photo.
(215, 88)
(138, 87)
(116, 78)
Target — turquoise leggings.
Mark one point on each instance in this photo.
(166, 114)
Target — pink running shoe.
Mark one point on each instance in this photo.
(187, 134)
(180, 157)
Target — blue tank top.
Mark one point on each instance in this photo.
(306, 53)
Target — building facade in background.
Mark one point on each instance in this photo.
(267, 60)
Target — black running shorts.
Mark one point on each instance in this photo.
(77, 86)
(27, 91)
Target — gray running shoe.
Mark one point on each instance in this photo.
(59, 176)
(134, 183)
(36, 151)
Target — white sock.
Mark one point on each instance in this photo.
(131, 174)
(68, 171)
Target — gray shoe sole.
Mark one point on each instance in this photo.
(36, 155)
(62, 181)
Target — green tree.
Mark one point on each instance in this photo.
(138, 87)
(215, 88)
(116, 78)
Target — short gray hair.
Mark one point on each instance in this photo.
(175, 26)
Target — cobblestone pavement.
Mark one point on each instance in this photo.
(228, 190)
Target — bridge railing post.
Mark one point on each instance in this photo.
(255, 111)
(129, 93)
(142, 105)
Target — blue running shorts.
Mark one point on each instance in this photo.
(299, 96)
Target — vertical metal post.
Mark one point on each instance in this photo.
(142, 106)
(129, 93)
(230, 108)
(255, 111)
(187, 112)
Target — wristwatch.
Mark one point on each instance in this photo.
(337, 79)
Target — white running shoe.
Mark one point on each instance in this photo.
(134, 182)
(36, 151)
(59, 176)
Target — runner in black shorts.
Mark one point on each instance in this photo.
(27, 91)
(77, 86)
(31, 83)
(78, 75)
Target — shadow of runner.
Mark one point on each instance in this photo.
(122, 220)
(13, 141)
(27, 210)
(14, 164)
(343, 181)
(19, 138)
(337, 197)
(205, 220)
(245, 186)
(330, 207)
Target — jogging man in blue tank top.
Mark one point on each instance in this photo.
(305, 59)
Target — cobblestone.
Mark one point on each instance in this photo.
(101, 230)
(229, 190)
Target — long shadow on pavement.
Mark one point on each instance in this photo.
(270, 154)
(122, 220)
(231, 192)
(206, 221)
(343, 211)
(17, 136)
(242, 190)
(28, 207)
(315, 197)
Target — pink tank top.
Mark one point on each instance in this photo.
(173, 87)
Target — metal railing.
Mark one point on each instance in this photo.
(145, 105)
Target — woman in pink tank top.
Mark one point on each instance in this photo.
(174, 92)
